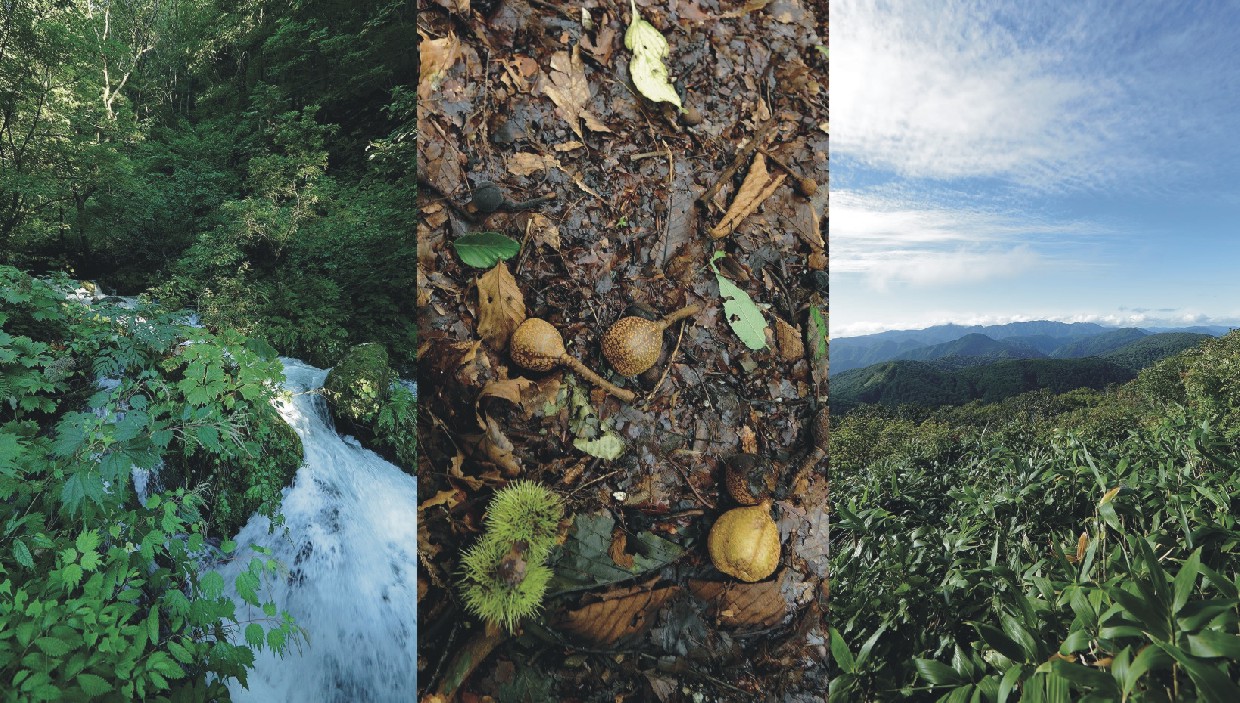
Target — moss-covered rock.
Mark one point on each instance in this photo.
(365, 400)
(358, 385)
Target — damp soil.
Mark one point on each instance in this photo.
(536, 98)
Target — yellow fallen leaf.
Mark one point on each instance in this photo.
(646, 68)
(501, 306)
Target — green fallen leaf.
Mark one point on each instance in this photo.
(485, 249)
(646, 67)
(609, 446)
(742, 314)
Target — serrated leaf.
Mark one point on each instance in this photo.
(51, 646)
(22, 553)
(212, 584)
(254, 635)
(741, 312)
(93, 685)
(485, 249)
(88, 541)
(275, 640)
(609, 446)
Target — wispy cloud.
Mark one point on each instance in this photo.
(890, 239)
(1031, 95)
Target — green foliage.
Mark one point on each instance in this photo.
(742, 314)
(1078, 546)
(485, 249)
(101, 595)
(363, 395)
(521, 524)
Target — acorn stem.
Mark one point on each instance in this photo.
(580, 368)
(686, 311)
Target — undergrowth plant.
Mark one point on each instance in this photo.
(1043, 555)
(103, 595)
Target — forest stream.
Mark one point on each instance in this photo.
(349, 543)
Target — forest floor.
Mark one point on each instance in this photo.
(537, 98)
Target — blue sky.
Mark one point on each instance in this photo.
(1002, 161)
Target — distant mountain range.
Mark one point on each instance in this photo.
(990, 363)
(986, 343)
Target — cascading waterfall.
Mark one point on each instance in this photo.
(349, 543)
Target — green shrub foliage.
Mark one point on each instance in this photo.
(1080, 546)
(101, 596)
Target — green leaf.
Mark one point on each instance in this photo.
(741, 312)
(275, 640)
(647, 69)
(1186, 580)
(1213, 643)
(609, 446)
(210, 438)
(93, 685)
(937, 673)
(839, 652)
(22, 553)
(1001, 643)
(485, 249)
(212, 584)
(88, 541)
(254, 635)
(52, 646)
(1213, 685)
(1011, 678)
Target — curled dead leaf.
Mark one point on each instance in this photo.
(501, 306)
(758, 186)
(435, 57)
(542, 230)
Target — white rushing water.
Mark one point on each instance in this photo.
(350, 546)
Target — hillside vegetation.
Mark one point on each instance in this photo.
(978, 370)
(1074, 546)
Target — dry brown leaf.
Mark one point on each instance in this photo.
(436, 56)
(788, 341)
(518, 391)
(582, 185)
(567, 87)
(619, 541)
(757, 187)
(743, 605)
(501, 306)
(450, 498)
(525, 163)
(749, 440)
(568, 146)
(493, 447)
(541, 229)
(621, 613)
(602, 46)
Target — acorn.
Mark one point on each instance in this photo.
(820, 432)
(537, 345)
(632, 345)
(749, 479)
(744, 542)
